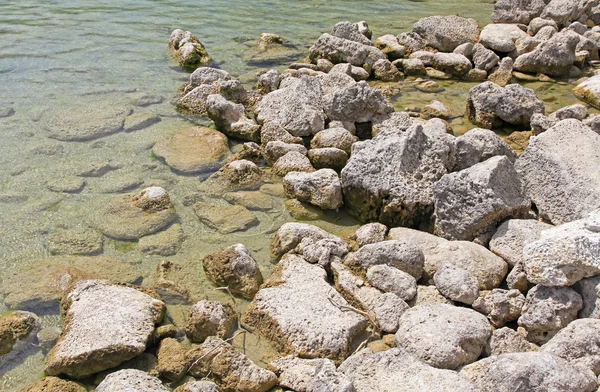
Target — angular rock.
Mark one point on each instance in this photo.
(370, 234)
(340, 50)
(554, 57)
(334, 137)
(456, 284)
(589, 91)
(385, 71)
(478, 145)
(500, 306)
(513, 235)
(390, 46)
(291, 234)
(507, 11)
(577, 340)
(235, 268)
(188, 50)
(298, 374)
(484, 59)
(355, 102)
(436, 109)
(392, 280)
(230, 118)
(398, 254)
(321, 188)
(172, 360)
(428, 294)
(350, 31)
(324, 251)
(577, 111)
(274, 150)
(445, 33)
(210, 318)
(588, 289)
(131, 380)
(506, 340)
(105, 325)
(502, 75)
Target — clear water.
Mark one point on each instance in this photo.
(57, 54)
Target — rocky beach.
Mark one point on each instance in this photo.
(371, 205)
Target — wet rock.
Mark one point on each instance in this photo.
(254, 201)
(334, 137)
(187, 49)
(554, 57)
(565, 254)
(355, 102)
(478, 145)
(471, 202)
(303, 211)
(66, 184)
(292, 161)
(172, 360)
(230, 118)
(402, 166)
(105, 325)
(328, 158)
(235, 176)
(506, 340)
(274, 313)
(321, 188)
(63, 242)
(451, 63)
(290, 234)
(131, 379)
(55, 384)
(456, 284)
(555, 167)
(134, 216)
(445, 33)
(429, 86)
(198, 386)
(210, 318)
(165, 243)
(370, 234)
(489, 103)
(47, 337)
(385, 71)
(528, 372)
(167, 285)
(501, 37)
(17, 326)
(392, 280)
(500, 306)
(390, 46)
(547, 310)
(503, 74)
(513, 235)
(443, 336)
(38, 285)
(207, 75)
(140, 120)
(340, 50)
(399, 254)
(235, 268)
(436, 109)
(84, 122)
(225, 218)
(589, 91)
(274, 150)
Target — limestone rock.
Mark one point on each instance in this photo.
(254, 201)
(164, 243)
(225, 218)
(16, 326)
(54, 384)
(328, 158)
(370, 234)
(131, 380)
(291, 234)
(324, 251)
(513, 235)
(235, 268)
(456, 284)
(172, 360)
(210, 318)
(65, 242)
(340, 50)
(428, 294)
(301, 374)
(392, 280)
(507, 11)
(385, 71)
(577, 111)
(398, 254)
(505, 340)
(501, 37)
(451, 63)
(321, 188)
(445, 33)
(588, 289)
(237, 175)
(577, 340)
(355, 102)
(554, 57)
(503, 74)
(334, 137)
(478, 145)
(292, 161)
(105, 325)
(390, 46)
(350, 31)
(436, 109)
(500, 306)
(276, 149)
(589, 91)
(188, 50)
(198, 386)
(230, 118)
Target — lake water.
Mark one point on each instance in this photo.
(64, 55)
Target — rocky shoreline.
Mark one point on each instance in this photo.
(476, 268)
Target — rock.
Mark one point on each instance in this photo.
(476, 75)
(501, 37)
(456, 284)
(500, 306)
(385, 71)
(488, 268)
(303, 211)
(337, 75)
(370, 234)
(538, 23)
(393, 122)
(334, 137)
(47, 337)
(207, 75)
(194, 150)
(210, 318)
(489, 103)
(66, 184)
(587, 288)
(451, 63)
(254, 201)
(528, 372)
(436, 109)
(506, 340)
(299, 374)
(105, 325)
(484, 59)
(292, 161)
(272, 131)
(328, 158)
(555, 167)
(478, 145)
(397, 370)
(411, 67)
(472, 202)
(167, 285)
(274, 150)
(402, 166)
(563, 12)
(350, 31)
(164, 243)
(503, 74)
(172, 360)
(547, 310)
(445, 33)
(230, 118)
(392, 280)
(194, 101)
(235, 268)
(290, 234)
(577, 111)
(274, 313)
(321, 188)
(428, 294)
(577, 340)
(235, 176)
(390, 46)
(413, 42)
(269, 81)
(198, 386)
(517, 278)
(225, 218)
(140, 120)
(356, 102)
(231, 370)
(134, 216)
(554, 57)
(63, 242)
(189, 51)
(402, 255)
(324, 251)
(54, 384)
(295, 107)
(131, 380)
(507, 11)
(565, 254)
(513, 235)
(17, 326)
(340, 50)
(589, 91)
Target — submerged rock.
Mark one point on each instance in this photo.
(210, 318)
(225, 218)
(17, 326)
(65, 242)
(235, 268)
(55, 384)
(105, 325)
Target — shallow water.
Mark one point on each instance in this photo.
(61, 54)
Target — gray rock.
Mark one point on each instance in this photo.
(272, 131)
(547, 310)
(370, 234)
(413, 42)
(484, 59)
(577, 340)
(235, 268)
(563, 12)
(502, 75)
(298, 374)
(488, 103)
(445, 33)
(392, 280)
(290, 234)
(334, 137)
(472, 202)
(131, 380)
(565, 254)
(230, 118)
(456, 284)
(325, 331)
(402, 166)
(397, 370)
(442, 335)
(411, 67)
(269, 81)
(512, 236)
(340, 50)
(589, 290)
(517, 278)
(105, 325)
(321, 188)
(501, 37)
(324, 251)
(577, 111)
(506, 340)
(540, 123)
(500, 306)
(488, 268)
(292, 161)
(210, 318)
(350, 31)
(553, 57)
(206, 75)
(356, 102)
(478, 145)
(328, 379)
(508, 11)
(428, 294)
(528, 372)
(393, 122)
(194, 101)
(274, 150)
(451, 63)
(399, 254)
(385, 71)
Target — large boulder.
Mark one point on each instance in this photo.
(501, 37)
(300, 313)
(321, 188)
(105, 325)
(580, 339)
(471, 202)
(390, 178)
(442, 335)
(512, 236)
(397, 370)
(565, 254)
(528, 372)
(235, 268)
(489, 105)
(445, 33)
(509, 11)
(555, 170)
(131, 380)
(554, 57)
(563, 12)
(355, 102)
(341, 50)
